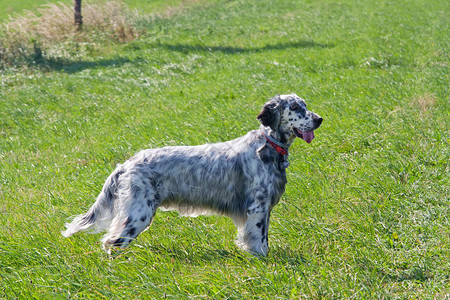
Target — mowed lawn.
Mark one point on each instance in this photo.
(366, 209)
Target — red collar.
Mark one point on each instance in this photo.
(275, 144)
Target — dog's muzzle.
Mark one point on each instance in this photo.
(308, 136)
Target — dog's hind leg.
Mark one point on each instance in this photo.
(138, 202)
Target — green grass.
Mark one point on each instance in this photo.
(10, 8)
(366, 210)
(13, 8)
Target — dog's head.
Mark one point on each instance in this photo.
(288, 116)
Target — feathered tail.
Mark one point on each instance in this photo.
(99, 216)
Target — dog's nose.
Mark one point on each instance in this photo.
(318, 121)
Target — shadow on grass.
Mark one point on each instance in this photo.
(413, 273)
(183, 48)
(70, 67)
(37, 59)
(202, 255)
(416, 274)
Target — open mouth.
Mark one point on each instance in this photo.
(307, 136)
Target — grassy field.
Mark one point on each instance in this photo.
(14, 7)
(366, 211)
(10, 8)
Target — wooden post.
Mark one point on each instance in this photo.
(78, 18)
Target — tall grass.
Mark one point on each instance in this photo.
(27, 37)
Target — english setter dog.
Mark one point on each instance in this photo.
(242, 179)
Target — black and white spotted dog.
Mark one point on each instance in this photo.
(242, 179)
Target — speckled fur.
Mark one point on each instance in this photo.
(242, 179)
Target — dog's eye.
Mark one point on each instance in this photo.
(295, 106)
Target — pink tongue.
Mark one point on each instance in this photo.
(308, 136)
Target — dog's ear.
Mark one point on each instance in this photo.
(270, 114)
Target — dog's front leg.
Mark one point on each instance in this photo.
(253, 236)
